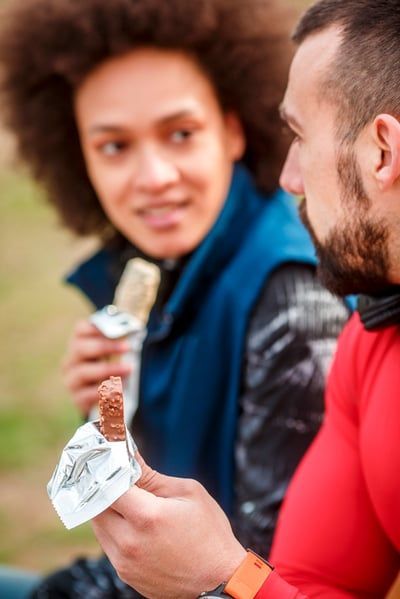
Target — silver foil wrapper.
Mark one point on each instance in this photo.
(114, 324)
(91, 475)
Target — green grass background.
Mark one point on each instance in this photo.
(36, 416)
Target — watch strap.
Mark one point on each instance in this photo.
(215, 594)
(248, 579)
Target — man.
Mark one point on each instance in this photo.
(339, 532)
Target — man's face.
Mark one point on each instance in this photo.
(158, 148)
(351, 240)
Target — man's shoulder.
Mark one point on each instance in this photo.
(365, 361)
(363, 345)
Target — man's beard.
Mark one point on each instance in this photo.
(354, 258)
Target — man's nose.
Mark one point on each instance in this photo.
(291, 179)
(154, 172)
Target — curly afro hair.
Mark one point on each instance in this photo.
(47, 47)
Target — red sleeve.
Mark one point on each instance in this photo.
(330, 541)
(277, 588)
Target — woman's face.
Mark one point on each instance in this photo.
(158, 149)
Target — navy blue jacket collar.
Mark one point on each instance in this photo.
(98, 276)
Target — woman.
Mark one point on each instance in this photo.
(154, 125)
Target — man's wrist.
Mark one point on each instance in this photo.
(246, 579)
(224, 569)
(233, 565)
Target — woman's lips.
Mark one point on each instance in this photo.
(163, 217)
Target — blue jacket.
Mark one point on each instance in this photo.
(193, 354)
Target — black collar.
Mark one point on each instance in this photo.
(378, 312)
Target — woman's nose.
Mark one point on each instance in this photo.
(154, 172)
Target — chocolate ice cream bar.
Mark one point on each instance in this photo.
(111, 409)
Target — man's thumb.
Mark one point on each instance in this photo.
(150, 478)
(160, 484)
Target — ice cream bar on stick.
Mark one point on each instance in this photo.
(137, 290)
(111, 409)
(95, 468)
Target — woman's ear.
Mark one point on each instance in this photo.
(235, 136)
(386, 134)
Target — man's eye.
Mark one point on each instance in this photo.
(181, 135)
(289, 134)
(286, 131)
(112, 148)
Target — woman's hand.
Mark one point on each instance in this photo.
(169, 538)
(88, 361)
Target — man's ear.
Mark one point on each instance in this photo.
(386, 133)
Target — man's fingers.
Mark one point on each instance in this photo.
(109, 527)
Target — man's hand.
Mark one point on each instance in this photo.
(87, 363)
(168, 539)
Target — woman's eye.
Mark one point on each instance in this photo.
(181, 135)
(112, 148)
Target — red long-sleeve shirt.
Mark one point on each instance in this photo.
(339, 531)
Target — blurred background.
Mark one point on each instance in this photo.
(36, 417)
(37, 311)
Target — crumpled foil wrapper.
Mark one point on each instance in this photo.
(91, 475)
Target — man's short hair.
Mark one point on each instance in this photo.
(364, 77)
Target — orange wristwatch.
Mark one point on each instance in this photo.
(246, 581)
